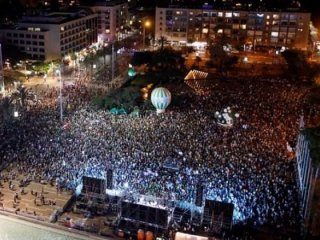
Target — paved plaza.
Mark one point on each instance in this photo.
(37, 199)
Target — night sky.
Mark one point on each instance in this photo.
(314, 7)
(14, 7)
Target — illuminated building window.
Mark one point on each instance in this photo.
(274, 34)
(243, 26)
(235, 26)
(250, 33)
(220, 14)
(228, 14)
(274, 40)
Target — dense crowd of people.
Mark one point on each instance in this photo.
(247, 164)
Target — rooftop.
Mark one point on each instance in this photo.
(238, 5)
(108, 3)
(55, 17)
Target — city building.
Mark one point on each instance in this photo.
(307, 173)
(255, 28)
(59, 2)
(53, 35)
(112, 19)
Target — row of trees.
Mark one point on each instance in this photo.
(299, 68)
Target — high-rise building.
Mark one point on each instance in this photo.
(112, 19)
(307, 173)
(259, 28)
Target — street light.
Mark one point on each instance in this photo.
(16, 114)
(58, 71)
(146, 24)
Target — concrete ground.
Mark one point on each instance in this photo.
(29, 204)
(30, 207)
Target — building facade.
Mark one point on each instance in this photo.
(112, 19)
(304, 173)
(54, 35)
(271, 29)
(307, 174)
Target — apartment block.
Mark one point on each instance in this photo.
(269, 28)
(54, 35)
(112, 19)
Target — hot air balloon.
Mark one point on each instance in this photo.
(160, 98)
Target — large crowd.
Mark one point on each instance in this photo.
(247, 165)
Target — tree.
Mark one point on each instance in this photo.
(298, 65)
(24, 94)
(73, 57)
(11, 76)
(89, 60)
(102, 52)
(167, 64)
(162, 40)
(220, 59)
(6, 106)
(314, 73)
(21, 96)
(167, 59)
(41, 67)
(197, 61)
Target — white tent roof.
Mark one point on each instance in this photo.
(185, 236)
(198, 81)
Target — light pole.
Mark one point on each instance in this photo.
(58, 71)
(146, 24)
